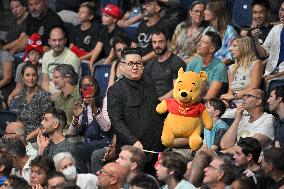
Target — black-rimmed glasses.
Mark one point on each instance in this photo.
(132, 64)
(247, 95)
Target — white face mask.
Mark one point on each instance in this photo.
(70, 172)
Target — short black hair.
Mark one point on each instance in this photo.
(121, 39)
(54, 174)
(275, 156)
(215, 40)
(217, 104)
(159, 31)
(60, 115)
(176, 162)
(263, 3)
(68, 185)
(144, 181)
(129, 50)
(279, 91)
(250, 145)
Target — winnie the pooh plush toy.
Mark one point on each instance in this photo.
(186, 113)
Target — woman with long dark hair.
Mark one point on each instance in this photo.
(32, 101)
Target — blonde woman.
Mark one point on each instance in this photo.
(245, 74)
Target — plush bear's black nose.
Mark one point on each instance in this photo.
(184, 94)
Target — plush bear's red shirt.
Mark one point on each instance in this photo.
(191, 111)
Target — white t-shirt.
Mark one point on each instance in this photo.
(87, 181)
(263, 125)
(49, 62)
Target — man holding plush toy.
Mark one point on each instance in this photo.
(132, 100)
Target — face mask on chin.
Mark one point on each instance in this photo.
(70, 172)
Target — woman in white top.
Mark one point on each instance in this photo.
(245, 74)
(65, 163)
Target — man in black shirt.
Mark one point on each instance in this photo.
(276, 105)
(164, 68)
(41, 20)
(260, 26)
(273, 164)
(132, 104)
(152, 11)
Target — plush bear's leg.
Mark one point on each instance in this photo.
(167, 137)
(195, 141)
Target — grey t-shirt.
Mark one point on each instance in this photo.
(53, 149)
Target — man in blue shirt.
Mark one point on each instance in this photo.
(216, 71)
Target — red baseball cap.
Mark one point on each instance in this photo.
(112, 10)
(34, 42)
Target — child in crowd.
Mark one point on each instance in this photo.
(33, 53)
(216, 109)
(84, 37)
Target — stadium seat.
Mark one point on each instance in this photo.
(101, 74)
(242, 15)
(85, 69)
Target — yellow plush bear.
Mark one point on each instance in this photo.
(185, 110)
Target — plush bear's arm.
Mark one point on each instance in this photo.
(207, 120)
(162, 107)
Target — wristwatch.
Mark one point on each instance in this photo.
(235, 95)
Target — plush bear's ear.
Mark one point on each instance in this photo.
(203, 75)
(180, 71)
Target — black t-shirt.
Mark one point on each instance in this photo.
(144, 35)
(264, 32)
(279, 132)
(163, 73)
(44, 25)
(86, 39)
(106, 37)
(15, 30)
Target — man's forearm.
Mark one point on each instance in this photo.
(166, 96)
(229, 138)
(260, 50)
(148, 57)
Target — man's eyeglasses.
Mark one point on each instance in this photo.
(132, 64)
(6, 134)
(105, 172)
(212, 168)
(247, 95)
(56, 77)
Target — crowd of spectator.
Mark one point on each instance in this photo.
(74, 129)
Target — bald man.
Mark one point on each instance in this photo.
(258, 124)
(59, 54)
(17, 130)
(111, 176)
